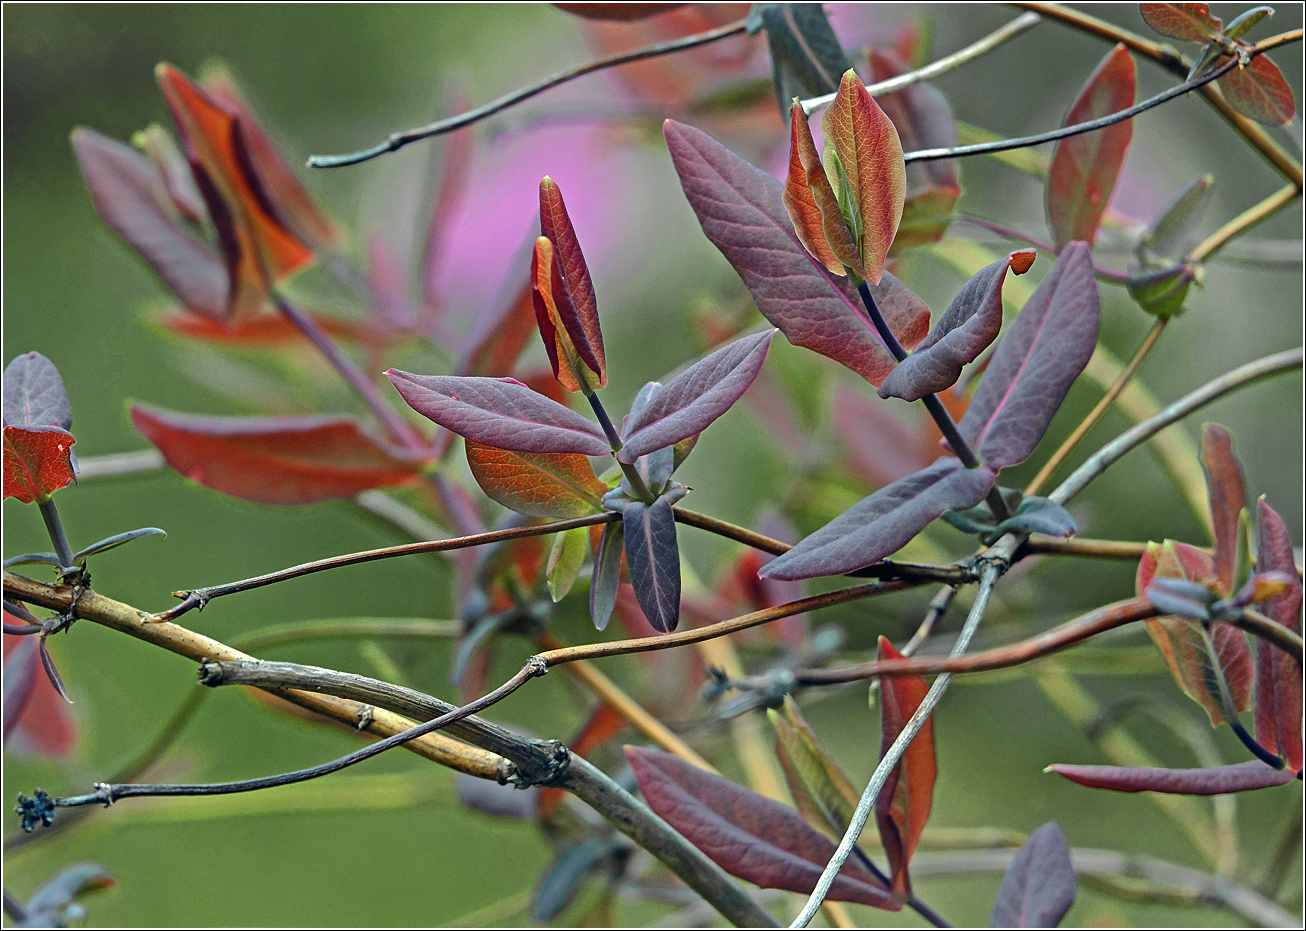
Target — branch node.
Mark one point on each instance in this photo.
(536, 666)
(365, 715)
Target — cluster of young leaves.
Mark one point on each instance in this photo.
(528, 450)
(1256, 88)
(803, 249)
(1209, 657)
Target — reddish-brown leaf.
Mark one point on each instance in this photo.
(174, 170)
(270, 176)
(1191, 22)
(582, 323)
(924, 121)
(1228, 494)
(259, 249)
(869, 158)
(1214, 780)
(812, 203)
(275, 460)
(1259, 91)
(1084, 168)
(37, 462)
(45, 724)
(747, 834)
(1180, 641)
(539, 484)
(1278, 712)
(904, 803)
(265, 330)
(617, 12)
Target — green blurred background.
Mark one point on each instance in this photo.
(388, 843)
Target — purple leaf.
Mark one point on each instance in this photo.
(1032, 370)
(34, 394)
(742, 212)
(967, 327)
(1278, 708)
(52, 904)
(883, 523)
(129, 196)
(607, 574)
(746, 834)
(499, 412)
(1215, 780)
(695, 397)
(1039, 886)
(52, 673)
(653, 557)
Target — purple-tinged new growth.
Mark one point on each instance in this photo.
(1032, 370)
(500, 412)
(1039, 886)
(695, 397)
(565, 305)
(883, 523)
(1213, 780)
(747, 834)
(653, 558)
(742, 212)
(967, 327)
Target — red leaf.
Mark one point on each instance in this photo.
(1228, 493)
(129, 195)
(924, 121)
(269, 175)
(1260, 92)
(275, 460)
(903, 805)
(747, 834)
(617, 12)
(539, 484)
(1216, 780)
(37, 463)
(869, 156)
(1180, 641)
(1278, 710)
(1191, 22)
(45, 725)
(553, 310)
(259, 249)
(1084, 168)
(582, 323)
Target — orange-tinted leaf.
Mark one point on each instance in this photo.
(553, 307)
(130, 196)
(1180, 640)
(904, 803)
(805, 183)
(265, 330)
(924, 121)
(260, 249)
(270, 175)
(1278, 713)
(1191, 22)
(1259, 91)
(873, 178)
(1084, 168)
(1224, 479)
(538, 484)
(583, 326)
(275, 460)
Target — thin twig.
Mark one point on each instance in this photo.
(1231, 381)
(988, 576)
(1243, 222)
(1099, 409)
(400, 139)
(943, 65)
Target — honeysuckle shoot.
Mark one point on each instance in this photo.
(563, 295)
